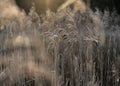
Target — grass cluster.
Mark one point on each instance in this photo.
(60, 49)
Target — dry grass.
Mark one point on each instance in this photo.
(62, 49)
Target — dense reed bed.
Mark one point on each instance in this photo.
(60, 49)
